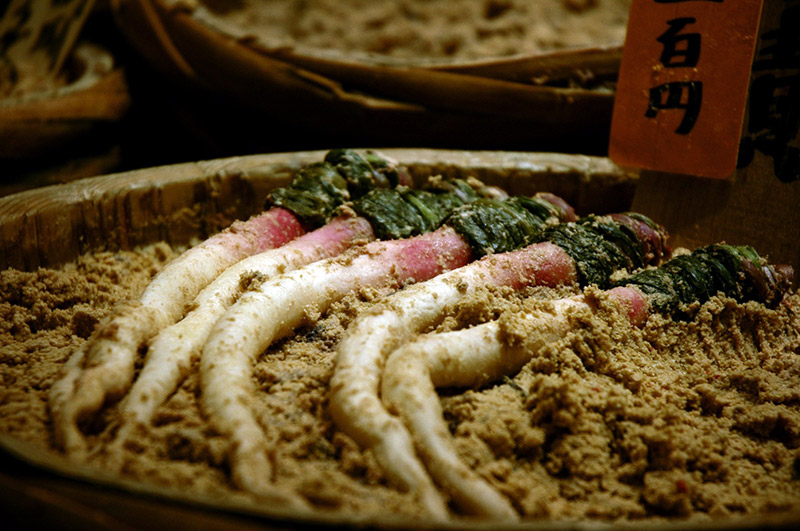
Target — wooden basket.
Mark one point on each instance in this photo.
(55, 126)
(484, 104)
(52, 225)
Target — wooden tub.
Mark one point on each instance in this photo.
(528, 101)
(54, 225)
(51, 225)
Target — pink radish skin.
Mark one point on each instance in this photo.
(276, 308)
(355, 403)
(470, 358)
(633, 301)
(103, 369)
(175, 349)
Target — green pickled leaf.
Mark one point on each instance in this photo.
(404, 212)
(698, 276)
(314, 193)
(361, 177)
(496, 226)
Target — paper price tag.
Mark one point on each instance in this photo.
(682, 87)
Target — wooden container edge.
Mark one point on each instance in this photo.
(52, 225)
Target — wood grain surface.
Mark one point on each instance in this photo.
(51, 225)
(398, 105)
(48, 226)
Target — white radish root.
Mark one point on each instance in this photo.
(355, 403)
(103, 369)
(465, 358)
(474, 357)
(276, 308)
(175, 349)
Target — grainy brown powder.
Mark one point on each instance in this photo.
(419, 29)
(690, 418)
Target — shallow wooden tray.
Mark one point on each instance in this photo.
(487, 104)
(36, 124)
(65, 133)
(52, 225)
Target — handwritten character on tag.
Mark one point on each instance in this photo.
(675, 100)
(680, 49)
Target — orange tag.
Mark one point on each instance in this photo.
(682, 86)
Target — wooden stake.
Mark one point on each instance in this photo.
(759, 204)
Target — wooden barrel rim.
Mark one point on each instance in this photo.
(52, 225)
